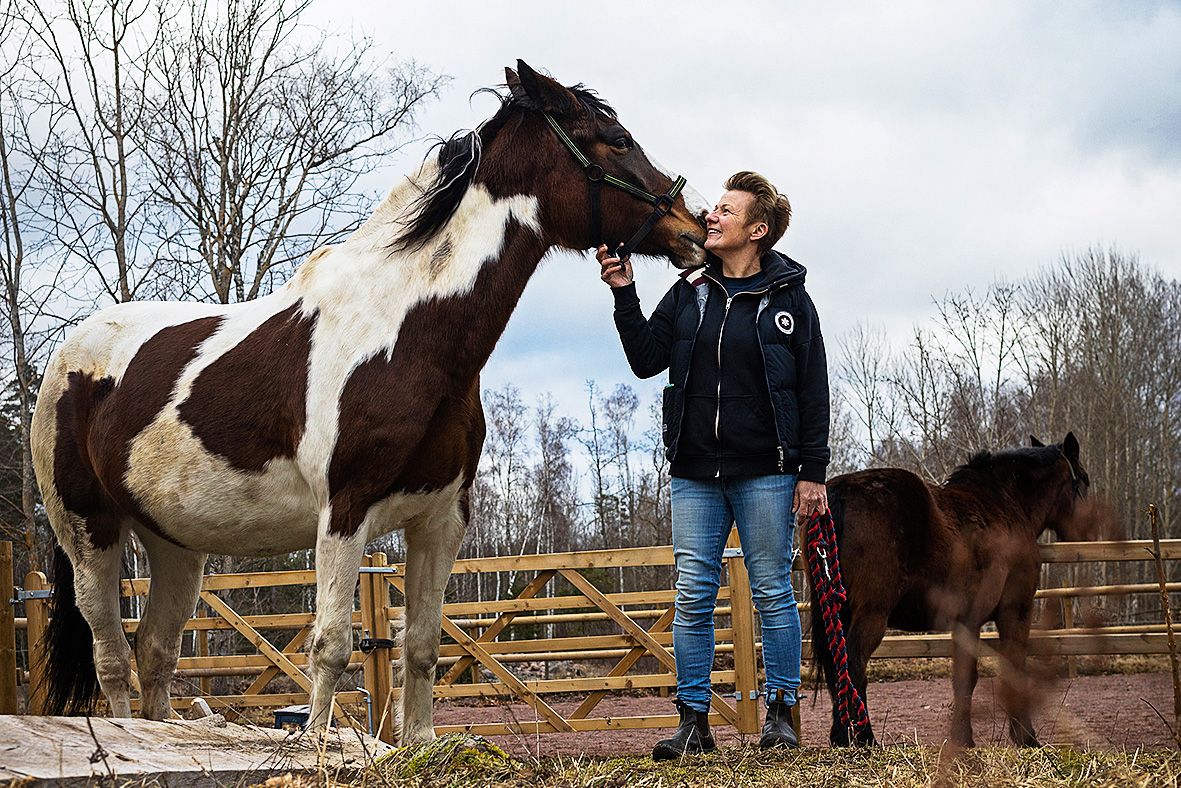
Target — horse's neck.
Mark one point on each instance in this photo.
(452, 296)
(1003, 502)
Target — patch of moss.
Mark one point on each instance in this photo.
(446, 755)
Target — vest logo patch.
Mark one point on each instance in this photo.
(785, 322)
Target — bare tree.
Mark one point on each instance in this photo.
(259, 131)
(27, 129)
(98, 62)
(864, 360)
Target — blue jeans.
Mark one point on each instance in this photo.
(703, 512)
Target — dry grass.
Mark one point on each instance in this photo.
(903, 767)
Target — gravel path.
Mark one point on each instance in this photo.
(1102, 712)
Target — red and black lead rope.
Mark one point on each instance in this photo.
(825, 566)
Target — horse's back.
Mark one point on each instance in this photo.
(888, 526)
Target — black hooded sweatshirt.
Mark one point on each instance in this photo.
(748, 379)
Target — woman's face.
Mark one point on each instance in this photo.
(726, 228)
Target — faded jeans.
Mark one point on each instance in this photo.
(703, 511)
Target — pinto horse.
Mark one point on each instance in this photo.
(339, 408)
(919, 557)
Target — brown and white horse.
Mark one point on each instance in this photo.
(339, 408)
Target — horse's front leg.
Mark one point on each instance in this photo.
(431, 546)
(338, 561)
(964, 653)
(1012, 623)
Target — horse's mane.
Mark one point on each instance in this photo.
(983, 464)
(459, 161)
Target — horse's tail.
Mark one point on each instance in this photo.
(71, 681)
(823, 663)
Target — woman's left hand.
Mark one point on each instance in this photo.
(809, 497)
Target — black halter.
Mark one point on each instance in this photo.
(595, 175)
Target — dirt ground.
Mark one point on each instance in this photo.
(1104, 712)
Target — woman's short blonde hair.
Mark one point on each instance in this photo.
(768, 206)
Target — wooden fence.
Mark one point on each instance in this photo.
(480, 657)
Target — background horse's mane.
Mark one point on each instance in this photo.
(459, 160)
(982, 464)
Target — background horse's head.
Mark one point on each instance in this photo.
(518, 152)
(1072, 516)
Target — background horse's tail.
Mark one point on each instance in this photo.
(823, 663)
(71, 682)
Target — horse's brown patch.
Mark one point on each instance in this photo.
(97, 420)
(412, 422)
(79, 488)
(250, 405)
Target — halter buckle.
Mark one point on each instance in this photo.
(664, 204)
(595, 173)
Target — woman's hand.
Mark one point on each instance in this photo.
(615, 272)
(809, 497)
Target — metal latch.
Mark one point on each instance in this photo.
(22, 594)
(369, 644)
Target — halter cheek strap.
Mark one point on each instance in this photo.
(595, 175)
(1075, 482)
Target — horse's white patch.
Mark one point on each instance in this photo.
(785, 322)
(358, 320)
(694, 202)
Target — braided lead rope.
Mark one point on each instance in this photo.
(825, 566)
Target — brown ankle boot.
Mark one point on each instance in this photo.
(692, 736)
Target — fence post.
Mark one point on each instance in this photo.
(1068, 623)
(742, 619)
(203, 651)
(379, 679)
(7, 634)
(37, 612)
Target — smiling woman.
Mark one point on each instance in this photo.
(746, 432)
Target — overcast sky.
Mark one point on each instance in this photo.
(925, 146)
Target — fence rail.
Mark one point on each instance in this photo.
(479, 656)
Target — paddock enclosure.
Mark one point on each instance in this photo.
(502, 648)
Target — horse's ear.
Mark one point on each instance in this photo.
(1035, 443)
(547, 95)
(514, 83)
(1070, 447)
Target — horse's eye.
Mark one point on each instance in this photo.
(623, 143)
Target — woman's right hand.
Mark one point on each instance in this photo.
(615, 272)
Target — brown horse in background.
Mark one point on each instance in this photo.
(919, 557)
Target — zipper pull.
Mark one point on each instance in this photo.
(781, 459)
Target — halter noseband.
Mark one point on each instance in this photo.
(595, 175)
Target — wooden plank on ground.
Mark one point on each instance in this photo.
(60, 751)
